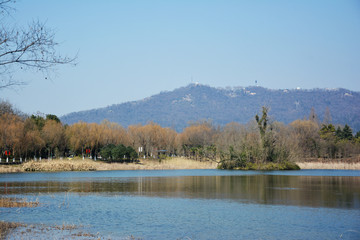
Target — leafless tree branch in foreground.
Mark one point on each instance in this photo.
(30, 48)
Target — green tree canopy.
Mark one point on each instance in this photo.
(52, 117)
(38, 120)
(347, 133)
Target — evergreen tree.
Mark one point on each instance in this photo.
(38, 120)
(339, 133)
(267, 138)
(52, 117)
(119, 152)
(262, 122)
(347, 133)
(106, 152)
(357, 135)
(327, 131)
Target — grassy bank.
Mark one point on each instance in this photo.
(329, 165)
(90, 165)
(270, 166)
(350, 163)
(168, 164)
(57, 165)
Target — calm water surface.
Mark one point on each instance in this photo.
(192, 204)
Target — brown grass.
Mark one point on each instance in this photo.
(168, 164)
(16, 202)
(57, 165)
(10, 168)
(350, 163)
(65, 227)
(82, 234)
(6, 227)
(329, 165)
(40, 231)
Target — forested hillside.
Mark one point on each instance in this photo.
(199, 102)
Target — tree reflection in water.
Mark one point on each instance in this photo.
(310, 191)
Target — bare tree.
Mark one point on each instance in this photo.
(5, 8)
(30, 48)
(7, 107)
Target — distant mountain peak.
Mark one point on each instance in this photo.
(223, 105)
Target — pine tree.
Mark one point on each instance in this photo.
(339, 133)
(347, 133)
(357, 135)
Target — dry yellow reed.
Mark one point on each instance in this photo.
(6, 227)
(15, 202)
(329, 165)
(168, 164)
(60, 165)
(145, 164)
(10, 168)
(90, 165)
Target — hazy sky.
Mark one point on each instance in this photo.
(129, 50)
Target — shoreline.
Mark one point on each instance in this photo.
(329, 165)
(58, 165)
(178, 163)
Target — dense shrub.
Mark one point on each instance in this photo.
(119, 152)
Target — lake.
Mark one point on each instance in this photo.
(191, 204)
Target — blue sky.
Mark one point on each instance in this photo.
(129, 50)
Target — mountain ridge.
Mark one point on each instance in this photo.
(223, 105)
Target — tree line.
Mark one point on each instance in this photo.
(234, 145)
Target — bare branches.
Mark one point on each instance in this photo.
(5, 8)
(33, 47)
(30, 47)
(9, 82)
